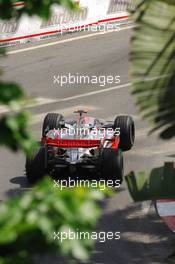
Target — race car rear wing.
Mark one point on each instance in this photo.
(71, 143)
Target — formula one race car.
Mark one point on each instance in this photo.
(80, 146)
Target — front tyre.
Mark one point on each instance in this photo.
(35, 166)
(127, 131)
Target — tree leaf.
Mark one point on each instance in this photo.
(153, 64)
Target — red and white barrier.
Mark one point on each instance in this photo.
(92, 12)
(166, 210)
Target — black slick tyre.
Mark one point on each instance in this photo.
(112, 165)
(127, 131)
(52, 121)
(35, 166)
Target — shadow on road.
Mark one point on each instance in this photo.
(22, 183)
(144, 238)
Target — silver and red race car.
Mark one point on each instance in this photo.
(84, 146)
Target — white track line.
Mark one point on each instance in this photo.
(118, 87)
(40, 101)
(43, 101)
(66, 41)
(32, 102)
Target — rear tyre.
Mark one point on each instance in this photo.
(127, 131)
(112, 165)
(52, 121)
(35, 166)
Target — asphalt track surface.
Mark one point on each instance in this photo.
(144, 238)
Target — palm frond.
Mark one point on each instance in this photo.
(153, 63)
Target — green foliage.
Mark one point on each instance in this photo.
(40, 8)
(14, 130)
(15, 134)
(153, 68)
(153, 63)
(28, 223)
(2, 52)
(10, 93)
(158, 185)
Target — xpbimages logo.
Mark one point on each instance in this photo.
(101, 236)
(81, 183)
(77, 78)
(84, 132)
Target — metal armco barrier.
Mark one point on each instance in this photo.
(92, 12)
